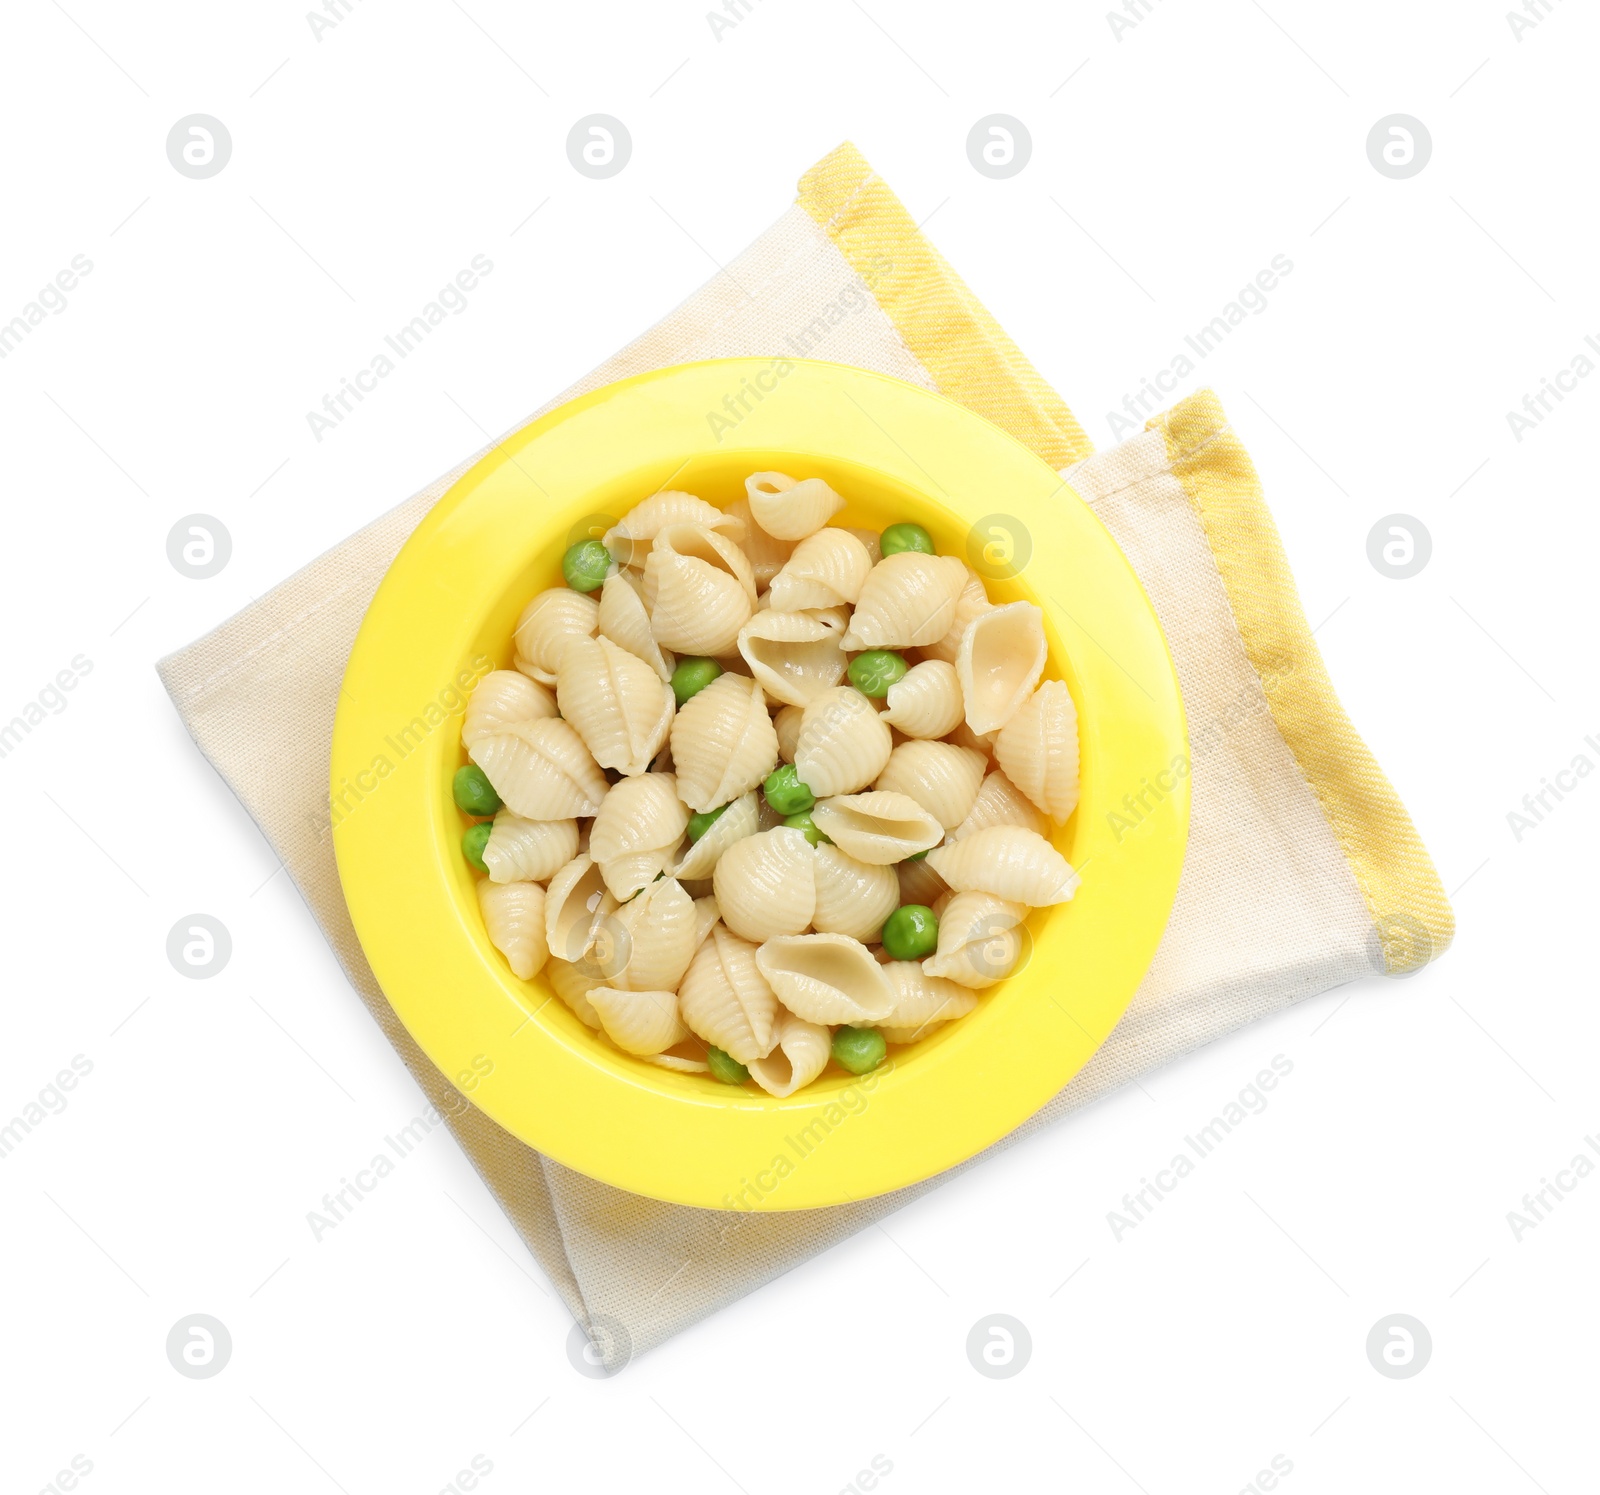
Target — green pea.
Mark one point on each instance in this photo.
(911, 932)
(472, 844)
(473, 791)
(920, 856)
(900, 537)
(702, 821)
(804, 822)
(875, 671)
(692, 676)
(726, 1068)
(859, 1049)
(585, 565)
(786, 792)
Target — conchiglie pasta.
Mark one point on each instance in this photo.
(739, 820)
(504, 699)
(790, 510)
(853, 897)
(624, 621)
(980, 940)
(629, 541)
(1038, 749)
(513, 916)
(940, 777)
(637, 832)
(1000, 802)
(573, 983)
(843, 743)
(619, 705)
(699, 589)
(765, 884)
(723, 742)
(765, 552)
(521, 850)
(794, 658)
(826, 569)
(577, 903)
(639, 1022)
(921, 1002)
(926, 701)
(546, 625)
(799, 1054)
(880, 827)
(1000, 660)
(542, 770)
(652, 937)
(787, 725)
(972, 602)
(726, 1000)
(1010, 862)
(826, 978)
(907, 600)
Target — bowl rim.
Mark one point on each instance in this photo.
(517, 1053)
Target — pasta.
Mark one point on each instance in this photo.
(1000, 660)
(765, 884)
(703, 913)
(636, 835)
(907, 600)
(723, 742)
(853, 897)
(1038, 749)
(542, 770)
(879, 827)
(794, 658)
(504, 699)
(940, 777)
(788, 510)
(843, 743)
(546, 624)
(513, 915)
(826, 978)
(926, 701)
(521, 850)
(980, 940)
(699, 590)
(1008, 861)
(616, 702)
(827, 568)
(726, 1000)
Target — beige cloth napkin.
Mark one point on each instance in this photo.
(1303, 870)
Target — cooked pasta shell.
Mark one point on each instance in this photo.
(765, 884)
(739, 820)
(790, 510)
(919, 883)
(521, 850)
(872, 540)
(826, 978)
(907, 600)
(1000, 802)
(639, 1022)
(766, 553)
(926, 701)
(1038, 749)
(939, 776)
(723, 742)
(843, 744)
(546, 625)
(972, 602)
(980, 940)
(826, 569)
(576, 904)
(793, 657)
(835, 619)
(513, 915)
(1000, 660)
(799, 1055)
(624, 621)
(629, 541)
(699, 589)
(706, 915)
(504, 699)
(853, 897)
(921, 1003)
(619, 705)
(726, 1000)
(542, 770)
(787, 725)
(653, 936)
(1008, 861)
(573, 983)
(880, 827)
(637, 832)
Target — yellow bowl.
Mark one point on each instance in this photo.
(443, 616)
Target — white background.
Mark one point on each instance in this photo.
(367, 169)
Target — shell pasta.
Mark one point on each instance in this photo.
(761, 796)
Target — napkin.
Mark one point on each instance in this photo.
(1303, 869)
